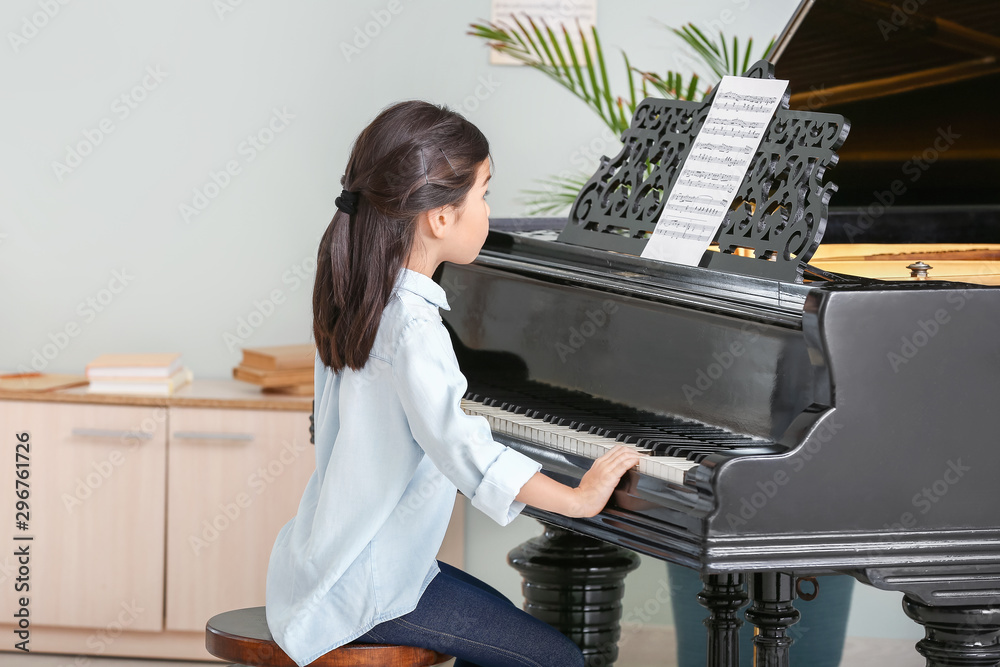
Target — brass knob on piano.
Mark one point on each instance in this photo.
(919, 270)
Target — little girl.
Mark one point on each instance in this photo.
(357, 562)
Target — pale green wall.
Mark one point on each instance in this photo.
(188, 285)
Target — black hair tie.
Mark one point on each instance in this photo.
(348, 202)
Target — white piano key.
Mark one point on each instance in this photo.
(564, 438)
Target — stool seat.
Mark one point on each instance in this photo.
(242, 636)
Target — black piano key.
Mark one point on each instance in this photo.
(660, 435)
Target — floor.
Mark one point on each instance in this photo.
(640, 649)
(651, 646)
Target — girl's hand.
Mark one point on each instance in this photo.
(597, 483)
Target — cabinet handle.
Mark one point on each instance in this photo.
(110, 433)
(207, 435)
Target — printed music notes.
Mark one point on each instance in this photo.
(714, 169)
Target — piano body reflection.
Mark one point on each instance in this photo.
(798, 420)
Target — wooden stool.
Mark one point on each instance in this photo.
(242, 636)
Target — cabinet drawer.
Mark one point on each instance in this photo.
(235, 478)
(97, 501)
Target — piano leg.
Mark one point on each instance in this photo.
(575, 584)
(772, 613)
(957, 635)
(723, 595)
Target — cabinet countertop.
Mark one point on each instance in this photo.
(198, 394)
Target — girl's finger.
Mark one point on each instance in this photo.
(619, 453)
(623, 451)
(618, 462)
(630, 461)
(608, 457)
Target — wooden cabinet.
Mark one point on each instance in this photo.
(150, 515)
(235, 478)
(96, 505)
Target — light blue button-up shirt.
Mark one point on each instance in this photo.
(392, 445)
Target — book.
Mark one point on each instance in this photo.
(274, 378)
(162, 365)
(138, 385)
(290, 390)
(39, 381)
(279, 357)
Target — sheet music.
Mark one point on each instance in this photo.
(714, 169)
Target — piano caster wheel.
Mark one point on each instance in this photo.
(968, 636)
(575, 584)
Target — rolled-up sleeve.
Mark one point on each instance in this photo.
(430, 386)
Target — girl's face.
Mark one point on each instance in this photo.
(473, 220)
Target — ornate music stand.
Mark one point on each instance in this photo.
(779, 212)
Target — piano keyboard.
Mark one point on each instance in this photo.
(566, 439)
(580, 424)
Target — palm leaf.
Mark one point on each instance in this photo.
(534, 43)
(631, 82)
(576, 63)
(604, 81)
(567, 74)
(527, 36)
(558, 195)
(593, 75)
(692, 88)
(672, 86)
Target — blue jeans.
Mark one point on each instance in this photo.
(461, 616)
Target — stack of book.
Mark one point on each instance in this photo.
(153, 374)
(286, 369)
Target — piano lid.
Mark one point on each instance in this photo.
(920, 81)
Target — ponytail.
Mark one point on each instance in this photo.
(412, 158)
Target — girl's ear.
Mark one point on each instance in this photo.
(438, 221)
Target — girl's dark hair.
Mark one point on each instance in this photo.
(412, 158)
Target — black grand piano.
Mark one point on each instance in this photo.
(799, 420)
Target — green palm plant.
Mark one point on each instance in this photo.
(717, 55)
(582, 69)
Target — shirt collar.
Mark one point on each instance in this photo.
(422, 286)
